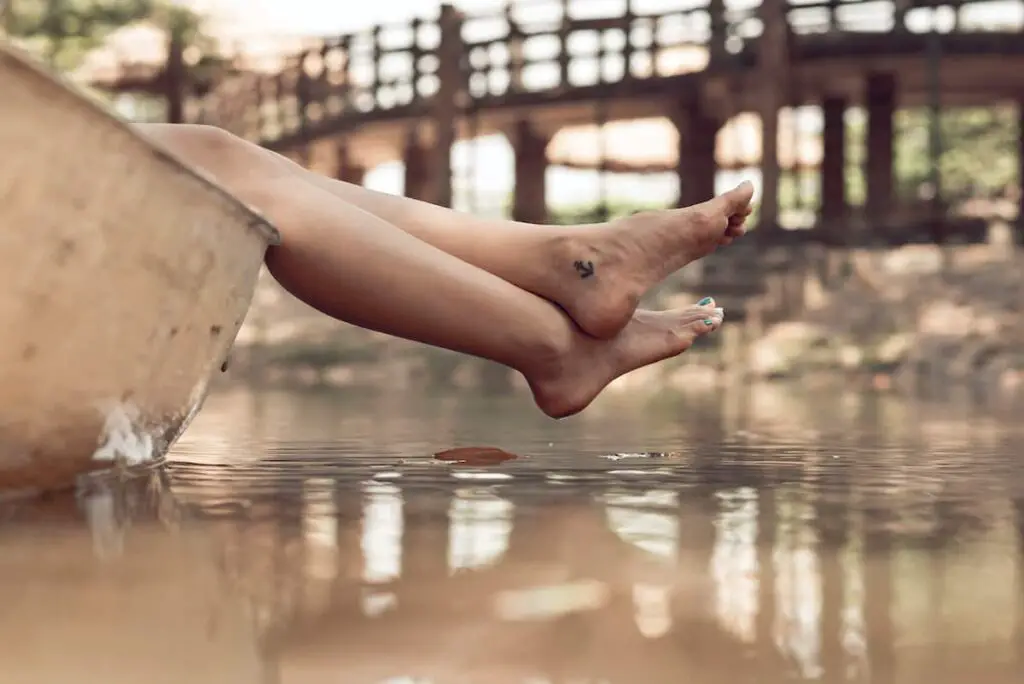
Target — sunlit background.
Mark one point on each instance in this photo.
(267, 30)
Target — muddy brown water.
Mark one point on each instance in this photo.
(762, 535)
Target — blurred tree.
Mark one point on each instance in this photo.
(184, 27)
(978, 152)
(978, 156)
(63, 31)
(190, 57)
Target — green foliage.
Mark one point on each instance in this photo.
(978, 156)
(856, 155)
(64, 31)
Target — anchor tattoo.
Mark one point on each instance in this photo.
(584, 268)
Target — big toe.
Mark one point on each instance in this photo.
(735, 202)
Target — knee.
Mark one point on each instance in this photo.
(244, 169)
(207, 147)
(215, 140)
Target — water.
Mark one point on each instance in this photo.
(764, 536)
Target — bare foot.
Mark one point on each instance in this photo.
(568, 384)
(599, 273)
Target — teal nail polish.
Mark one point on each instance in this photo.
(704, 302)
(708, 321)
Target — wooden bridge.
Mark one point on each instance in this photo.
(410, 90)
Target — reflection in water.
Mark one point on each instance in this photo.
(734, 563)
(100, 516)
(111, 588)
(834, 549)
(650, 522)
(320, 528)
(645, 520)
(852, 637)
(478, 531)
(381, 541)
(797, 587)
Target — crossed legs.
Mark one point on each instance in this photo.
(556, 304)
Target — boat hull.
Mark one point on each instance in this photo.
(124, 278)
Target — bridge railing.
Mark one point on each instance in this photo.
(553, 54)
(537, 48)
(397, 69)
(904, 16)
(353, 74)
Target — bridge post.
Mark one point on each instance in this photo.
(881, 107)
(697, 166)
(346, 169)
(1020, 169)
(516, 55)
(175, 78)
(719, 30)
(417, 170)
(900, 9)
(445, 105)
(529, 198)
(833, 166)
(773, 64)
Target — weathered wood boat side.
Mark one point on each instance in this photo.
(124, 278)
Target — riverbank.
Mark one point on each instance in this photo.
(919, 317)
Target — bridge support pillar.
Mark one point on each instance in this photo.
(773, 68)
(697, 165)
(881, 108)
(450, 52)
(439, 178)
(356, 175)
(834, 207)
(417, 171)
(529, 199)
(347, 170)
(424, 545)
(1020, 169)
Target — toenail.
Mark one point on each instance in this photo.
(708, 322)
(705, 301)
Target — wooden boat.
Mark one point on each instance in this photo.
(124, 278)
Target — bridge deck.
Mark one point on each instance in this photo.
(537, 55)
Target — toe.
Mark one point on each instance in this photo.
(736, 226)
(714, 320)
(704, 318)
(688, 332)
(735, 201)
(663, 334)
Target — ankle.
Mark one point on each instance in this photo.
(557, 371)
(545, 354)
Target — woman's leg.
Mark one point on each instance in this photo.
(596, 273)
(358, 268)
